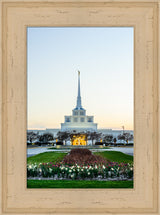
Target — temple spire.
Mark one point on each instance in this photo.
(79, 93)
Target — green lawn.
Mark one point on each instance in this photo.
(58, 156)
(46, 157)
(78, 184)
(115, 156)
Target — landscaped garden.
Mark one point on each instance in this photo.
(80, 168)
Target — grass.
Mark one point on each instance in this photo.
(115, 156)
(46, 157)
(78, 184)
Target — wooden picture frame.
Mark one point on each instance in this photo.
(16, 15)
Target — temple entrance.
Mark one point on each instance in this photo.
(79, 140)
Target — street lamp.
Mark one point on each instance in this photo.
(123, 128)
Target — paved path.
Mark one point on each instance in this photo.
(126, 150)
(35, 151)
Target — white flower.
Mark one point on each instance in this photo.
(70, 170)
(40, 170)
(88, 173)
(104, 167)
(112, 169)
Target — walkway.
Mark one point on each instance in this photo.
(38, 150)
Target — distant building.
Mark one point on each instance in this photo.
(79, 121)
(115, 133)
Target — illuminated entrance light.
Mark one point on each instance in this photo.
(79, 139)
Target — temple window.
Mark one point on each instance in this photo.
(89, 119)
(67, 119)
(75, 119)
(82, 119)
(82, 113)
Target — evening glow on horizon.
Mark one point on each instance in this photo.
(104, 57)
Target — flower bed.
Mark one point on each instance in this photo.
(110, 170)
(80, 151)
(83, 157)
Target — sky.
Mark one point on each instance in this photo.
(104, 57)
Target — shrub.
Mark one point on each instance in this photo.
(59, 143)
(83, 157)
(80, 151)
(99, 143)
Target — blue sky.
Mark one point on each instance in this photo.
(103, 55)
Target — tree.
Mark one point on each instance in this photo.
(63, 136)
(115, 140)
(31, 136)
(121, 137)
(131, 137)
(108, 138)
(125, 137)
(44, 138)
(94, 136)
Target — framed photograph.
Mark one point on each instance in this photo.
(74, 151)
(80, 107)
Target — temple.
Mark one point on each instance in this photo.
(79, 121)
